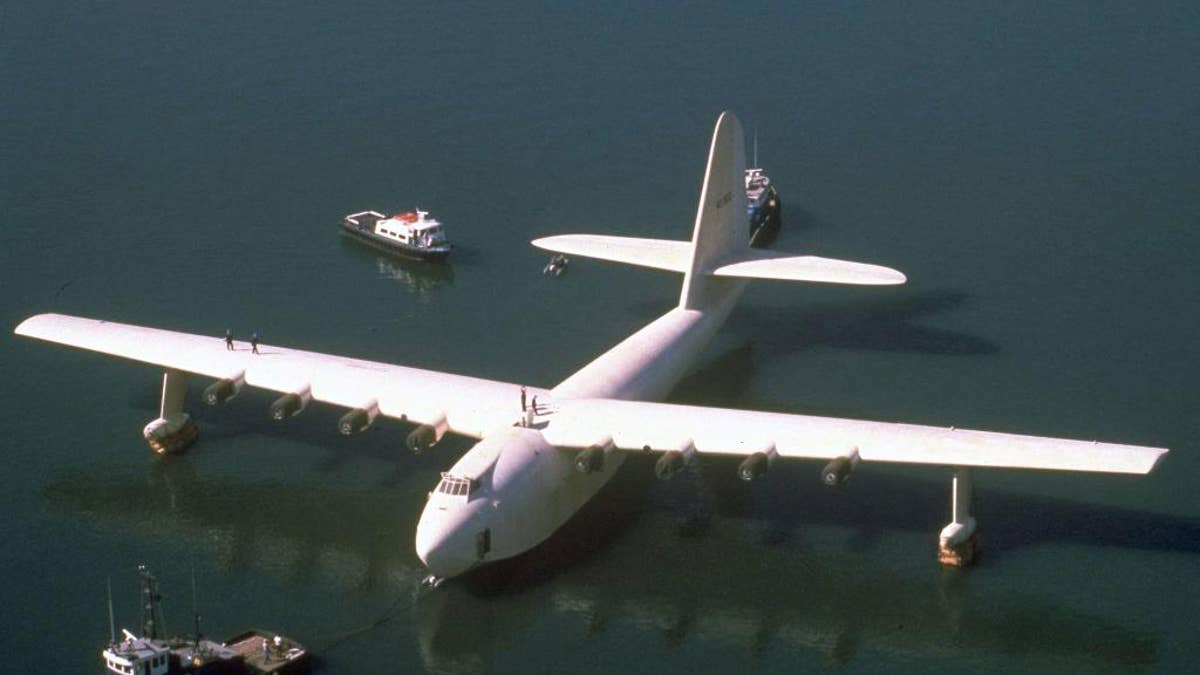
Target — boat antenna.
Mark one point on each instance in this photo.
(756, 147)
(112, 625)
(195, 612)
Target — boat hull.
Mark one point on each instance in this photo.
(766, 221)
(431, 254)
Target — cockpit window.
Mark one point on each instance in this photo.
(454, 486)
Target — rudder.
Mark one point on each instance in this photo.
(720, 230)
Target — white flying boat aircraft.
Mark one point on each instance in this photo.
(532, 469)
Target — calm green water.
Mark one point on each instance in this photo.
(1033, 170)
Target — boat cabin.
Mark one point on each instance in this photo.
(756, 185)
(413, 228)
(137, 656)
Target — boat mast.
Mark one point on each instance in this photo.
(112, 625)
(151, 613)
(755, 147)
(195, 612)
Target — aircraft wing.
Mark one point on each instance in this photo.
(635, 425)
(471, 406)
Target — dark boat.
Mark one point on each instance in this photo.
(764, 209)
(411, 233)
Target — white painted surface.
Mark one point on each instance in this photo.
(662, 254)
(471, 405)
(721, 431)
(675, 256)
(721, 230)
(788, 267)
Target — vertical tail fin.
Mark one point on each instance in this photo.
(720, 233)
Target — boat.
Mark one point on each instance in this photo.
(254, 652)
(556, 266)
(411, 233)
(764, 209)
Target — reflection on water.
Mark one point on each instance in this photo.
(677, 595)
(619, 566)
(296, 532)
(418, 276)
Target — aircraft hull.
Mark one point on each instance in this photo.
(532, 489)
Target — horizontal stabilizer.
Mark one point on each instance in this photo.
(662, 254)
(675, 256)
(788, 267)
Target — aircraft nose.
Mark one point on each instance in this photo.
(447, 551)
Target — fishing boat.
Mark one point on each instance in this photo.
(254, 652)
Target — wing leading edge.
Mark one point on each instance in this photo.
(471, 406)
(634, 425)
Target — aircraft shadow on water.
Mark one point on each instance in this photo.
(611, 566)
(881, 324)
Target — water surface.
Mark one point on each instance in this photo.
(1032, 169)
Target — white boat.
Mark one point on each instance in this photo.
(411, 233)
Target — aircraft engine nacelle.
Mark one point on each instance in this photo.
(756, 465)
(837, 471)
(668, 465)
(290, 405)
(673, 460)
(357, 420)
(591, 459)
(222, 390)
(426, 436)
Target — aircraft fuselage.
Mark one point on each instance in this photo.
(522, 489)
